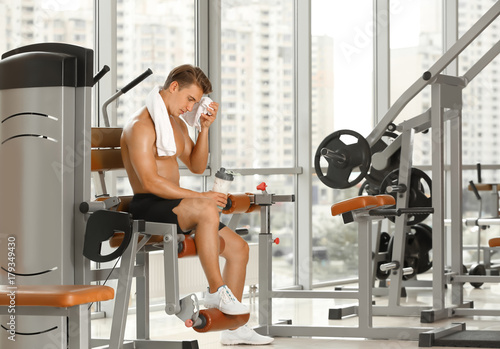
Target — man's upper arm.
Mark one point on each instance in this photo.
(140, 140)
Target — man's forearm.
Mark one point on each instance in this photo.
(199, 155)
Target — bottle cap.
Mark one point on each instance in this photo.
(222, 174)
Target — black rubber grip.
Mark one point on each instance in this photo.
(99, 75)
(479, 179)
(389, 212)
(137, 80)
(474, 189)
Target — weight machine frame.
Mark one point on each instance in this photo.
(446, 108)
(444, 121)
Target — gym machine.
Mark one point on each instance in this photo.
(45, 97)
(446, 109)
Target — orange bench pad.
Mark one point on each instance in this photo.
(362, 202)
(494, 242)
(385, 200)
(188, 245)
(61, 296)
(352, 204)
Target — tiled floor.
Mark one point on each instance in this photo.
(314, 312)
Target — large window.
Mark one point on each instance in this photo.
(159, 35)
(257, 109)
(35, 21)
(257, 84)
(342, 80)
(415, 45)
(481, 122)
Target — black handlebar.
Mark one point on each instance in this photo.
(99, 75)
(474, 189)
(388, 212)
(137, 80)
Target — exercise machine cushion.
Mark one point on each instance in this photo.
(61, 296)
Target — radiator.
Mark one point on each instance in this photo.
(191, 276)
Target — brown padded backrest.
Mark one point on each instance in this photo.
(106, 153)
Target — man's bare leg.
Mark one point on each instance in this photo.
(202, 215)
(236, 255)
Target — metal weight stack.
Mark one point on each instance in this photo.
(44, 104)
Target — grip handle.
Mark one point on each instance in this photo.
(474, 189)
(101, 73)
(136, 81)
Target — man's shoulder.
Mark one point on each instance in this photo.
(139, 125)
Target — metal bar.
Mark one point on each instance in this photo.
(123, 292)
(382, 58)
(456, 203)
(142, 297)
(437, 124)
(268, 171)
(476, 278)
(315, 294)
(482, 62)
(400, 229)
(434, 71)
(364, 273)
(476, 312)
(409, 333)
(171, 271)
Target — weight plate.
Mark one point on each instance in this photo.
(420, 191)
(351, 153)
(477, 269)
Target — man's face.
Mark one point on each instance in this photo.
(184, 99)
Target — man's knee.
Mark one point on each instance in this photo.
(239, 249)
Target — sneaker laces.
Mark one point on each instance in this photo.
(226, 296)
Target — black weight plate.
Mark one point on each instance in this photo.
(422, 242)
(420, 191)
(477, 269)
(356, 155)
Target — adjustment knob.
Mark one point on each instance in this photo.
(262, 186)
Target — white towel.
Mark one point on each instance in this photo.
(165, 140)
(193, 117)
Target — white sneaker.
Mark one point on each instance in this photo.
(243, 335)
(225, 301)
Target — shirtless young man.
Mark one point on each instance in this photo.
(159, 197)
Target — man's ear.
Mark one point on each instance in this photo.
(173, 86)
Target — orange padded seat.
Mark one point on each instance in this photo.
(61, 296)
(385, 200)
(362, 203)
(494, 242)
(353, 204)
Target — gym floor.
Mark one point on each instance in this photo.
(315, 313)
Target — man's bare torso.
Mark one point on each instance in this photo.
(166, 166)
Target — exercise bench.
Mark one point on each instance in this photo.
(109, 221)
(70, 301)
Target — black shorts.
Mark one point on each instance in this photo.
(153, 208)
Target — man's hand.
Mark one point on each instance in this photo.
(219, 198)
(207, 120)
